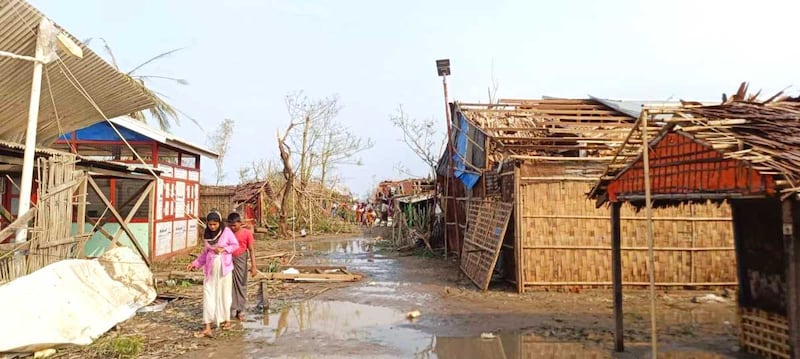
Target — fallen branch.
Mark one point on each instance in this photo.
(311, 277)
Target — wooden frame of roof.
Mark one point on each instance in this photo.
(761, 135)
(550, 126)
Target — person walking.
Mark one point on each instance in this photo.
(246, 242)
(217, 263)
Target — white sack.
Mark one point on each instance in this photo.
(73, 301)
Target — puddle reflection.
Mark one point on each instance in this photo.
(335, 319)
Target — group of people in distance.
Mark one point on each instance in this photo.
(224, 259)
(366, 213)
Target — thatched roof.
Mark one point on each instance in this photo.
(763, 134)
(114, 93)
(248, 191)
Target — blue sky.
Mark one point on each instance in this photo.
(243, 57)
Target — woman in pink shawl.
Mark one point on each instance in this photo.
(217, 264)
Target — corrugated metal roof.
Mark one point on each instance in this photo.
(19, 149)
(115, 93)
(162, 136)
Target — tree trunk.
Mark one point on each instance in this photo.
(288, 188)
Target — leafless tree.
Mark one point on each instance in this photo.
(288, 175)
(220, 141)
(314, 116)
(419, 135)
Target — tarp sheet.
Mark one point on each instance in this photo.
(469, 179)
(73, 301)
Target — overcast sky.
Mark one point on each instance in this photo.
(243, 57)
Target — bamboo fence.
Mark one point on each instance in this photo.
(51, 233)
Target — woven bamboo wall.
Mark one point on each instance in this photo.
(566, 240)
(216, 197)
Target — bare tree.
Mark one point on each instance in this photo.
(315, 117)
(220, 141)
(288, 175)
(339, 146)
(419, 136)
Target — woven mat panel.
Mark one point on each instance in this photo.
(487, 222)
(567, 241)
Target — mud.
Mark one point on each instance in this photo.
(368, 319)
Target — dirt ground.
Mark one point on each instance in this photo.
(367, 319)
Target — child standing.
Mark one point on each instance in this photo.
(217, 263)
(245, 238)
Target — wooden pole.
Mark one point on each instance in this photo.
(26, 183)
(792, 250)
(616, 275)
(450, 173)
(650, 253)
(519, 248)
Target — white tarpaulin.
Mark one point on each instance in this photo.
(73, 301)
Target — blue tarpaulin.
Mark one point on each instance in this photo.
(469, 179)
(102, 131)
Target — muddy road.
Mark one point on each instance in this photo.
(367, 319)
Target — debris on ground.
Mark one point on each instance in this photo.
(487, 336)
(101, 293)
(290, 271)
(709, 298)
(414, 314)
(312, 274)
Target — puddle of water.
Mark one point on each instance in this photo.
(334, 319)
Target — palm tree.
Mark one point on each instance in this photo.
(163, 112)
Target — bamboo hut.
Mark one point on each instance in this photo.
(544, 156)
(255, 201)
(745, 154)
(60, 226)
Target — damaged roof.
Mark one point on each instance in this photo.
(63, 106)
(762, 134)
(551, 126)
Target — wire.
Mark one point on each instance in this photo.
(55, 110)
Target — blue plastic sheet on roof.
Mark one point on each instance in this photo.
(468, 179)
(102, 131)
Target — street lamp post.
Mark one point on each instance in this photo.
(443, 69)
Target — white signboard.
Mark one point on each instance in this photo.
(180, 199)
(166, 171)
(163, 238)
(179, 236)
(194, 176)
(180, 173)
(191, 233)
(160, 199)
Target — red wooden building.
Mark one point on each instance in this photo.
(166, 223)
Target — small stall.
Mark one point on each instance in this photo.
(743, 155)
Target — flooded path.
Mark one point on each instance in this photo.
(368, 319)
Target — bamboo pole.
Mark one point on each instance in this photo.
(650, 251)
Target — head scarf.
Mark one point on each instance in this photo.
(211, 237)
